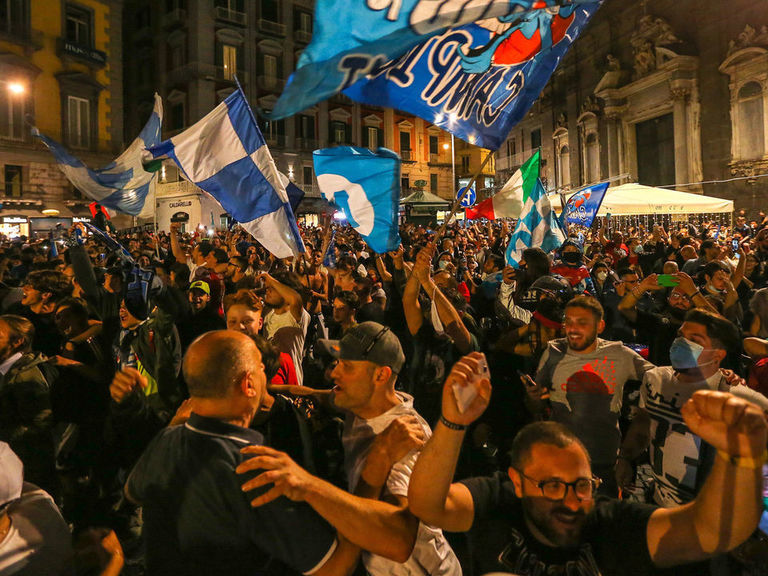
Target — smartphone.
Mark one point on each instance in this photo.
(735, 245)
(465, 395)
(667, 280)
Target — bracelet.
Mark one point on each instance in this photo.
(693, 295)
(451, 425)
(743, 461)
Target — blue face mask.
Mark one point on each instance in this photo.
(684, 354)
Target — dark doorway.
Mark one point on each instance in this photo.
(656, 151)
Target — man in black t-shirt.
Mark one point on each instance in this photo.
(542, 517)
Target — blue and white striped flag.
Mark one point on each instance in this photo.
(121, 185)
(366, 186)
(225, 154)
(537, 227)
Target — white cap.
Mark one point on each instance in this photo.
(11, 475)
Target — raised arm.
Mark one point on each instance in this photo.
(728, 507)
(432, 496)
(286, 293)
(176, 248)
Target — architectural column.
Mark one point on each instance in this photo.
(612, 144)
(680, 98)
(357, 139)
(389, 128)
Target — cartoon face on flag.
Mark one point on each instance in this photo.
(471, 68)
(366, 186)
(583, 206)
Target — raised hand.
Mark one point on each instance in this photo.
(464, 374)
(731, 424)
(125, 382)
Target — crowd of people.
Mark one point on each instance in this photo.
(187, 403)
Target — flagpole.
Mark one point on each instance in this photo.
(457, 203)
(154, 214)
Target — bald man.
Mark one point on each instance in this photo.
(197, 520)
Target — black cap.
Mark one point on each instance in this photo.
(368, 341)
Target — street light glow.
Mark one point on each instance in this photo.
(446, 146)
(16, 87)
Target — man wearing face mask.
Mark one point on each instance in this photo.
(659, 330)
(680, 461)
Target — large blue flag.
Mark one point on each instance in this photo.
(471, 68)
(366, 186)
(121, 185)
(225, 154)
(537, 227)
(582, 207)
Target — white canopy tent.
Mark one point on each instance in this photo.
(636, 199)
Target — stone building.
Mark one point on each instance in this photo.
(61, 69)
(662, 93)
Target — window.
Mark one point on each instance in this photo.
(13, 17)
(78, 25)
(308, 175)
(434, 145)
(535, 139)
(593, 159)
(656, 151)
(176, 55)
(564, 167)
(229, 61)
(464, 164)
(305, 22)
(178, 117)
(270, 10)
(372, 134)
(405, 141)
(13, 180)
(306, 125)
(79, 122)
(339, 132)
(231, 5)
(405, 182)
(433, 183)
(11, 115)
(751, 121)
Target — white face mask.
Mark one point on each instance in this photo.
(601, 276)
(435, 317)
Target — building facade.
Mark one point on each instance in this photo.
(665, 93)
(190, 52)
(61, 70)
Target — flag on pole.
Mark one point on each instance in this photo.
(295, 194)
(537, 227)
(226, 155)
(471, 68)
(509, 201)
(366, 186)
(582, 207)
(121, 185)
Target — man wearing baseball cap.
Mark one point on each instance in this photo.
(375, 516)
(203, 317)
(34, 539)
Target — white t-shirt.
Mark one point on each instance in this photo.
(38, 541)
(431, 553)
(676, 453)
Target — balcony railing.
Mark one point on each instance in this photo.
(176, 16)
(223, 73)
(406, 155)
(275, 139)
(270, 82)
(271, 27)
(306, 143)
(228, 15)
(310, 190)
(302, 36)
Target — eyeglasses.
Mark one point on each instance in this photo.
(555, 489)
(373, 342)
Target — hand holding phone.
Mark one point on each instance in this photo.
(667, 280)
(465, 395)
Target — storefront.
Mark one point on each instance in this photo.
(14, 226)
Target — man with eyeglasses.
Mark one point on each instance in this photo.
(543, 517)
(375, 516)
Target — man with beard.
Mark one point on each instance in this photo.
(586, 377)
(543, 517)
(203, 318)
(659, 330)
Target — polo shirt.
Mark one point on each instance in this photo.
(197, 520)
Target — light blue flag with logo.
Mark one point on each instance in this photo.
(366, 186)
(471, 68)
(122, 185)
(226, 155)
(582, 207)
(537, 227)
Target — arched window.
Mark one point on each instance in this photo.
(751, 121)
(593, 158)
(564, 167)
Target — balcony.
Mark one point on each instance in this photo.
(180, 75)
(232, 16)
(310, 190)
(270, 82)
(275, 139)
(306, 143)
(175, 17)
(407, 155)
(85, 54)
(269, 27)
(225, 74)
(302, 36)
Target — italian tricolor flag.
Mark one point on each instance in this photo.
(509, 201)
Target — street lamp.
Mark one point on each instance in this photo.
(15, 87)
